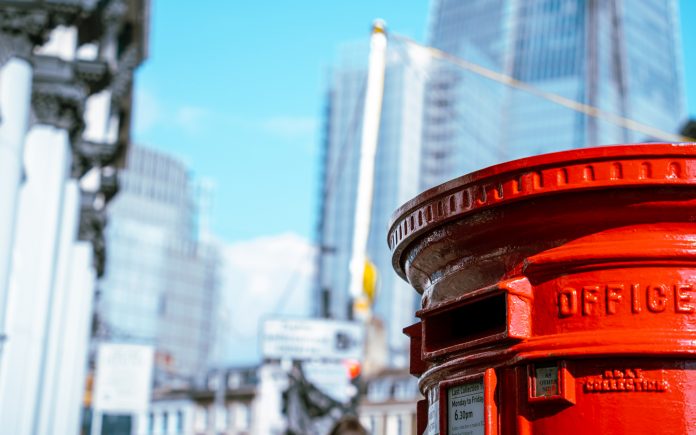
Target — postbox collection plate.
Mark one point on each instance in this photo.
(467, 404)
(465, 410)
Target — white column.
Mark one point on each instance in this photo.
(60, 340)
(47, 159)
(98, 117)
(15, 100)
(73, 368)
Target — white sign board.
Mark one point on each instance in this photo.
(465, 409)
(311, 339)
(124, 378)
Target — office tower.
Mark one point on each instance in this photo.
(621, 57)
(160, 279)
(396, 180)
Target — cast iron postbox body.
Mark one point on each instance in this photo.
(558, 294)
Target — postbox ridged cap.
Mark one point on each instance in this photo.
(619, 166)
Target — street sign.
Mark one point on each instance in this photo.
(123, 378)
(312, 339)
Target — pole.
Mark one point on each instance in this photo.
(368, 148)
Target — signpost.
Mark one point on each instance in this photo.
(312, 339)
(327, 352)
(123, 381)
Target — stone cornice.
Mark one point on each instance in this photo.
(59, 104)
(88, 154)
(20, 30)
(92, 75)
(25, 24)
(61, 88)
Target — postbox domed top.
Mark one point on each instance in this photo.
(620, 166)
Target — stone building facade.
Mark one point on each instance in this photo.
(66, 78)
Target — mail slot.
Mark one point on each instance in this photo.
(558, 294)
(469, 323)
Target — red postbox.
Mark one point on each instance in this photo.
(558, 294)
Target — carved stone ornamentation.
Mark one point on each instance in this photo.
(60, 105)
(95, 75)
(60, 88)
(26, 24)
(91, 229)
(20, 30)
(88, 154)
(60, 91)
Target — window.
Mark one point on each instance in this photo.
(179, 422)
(151, 423)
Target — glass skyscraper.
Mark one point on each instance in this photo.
(440, 121)
(621, 57)
(160, 279)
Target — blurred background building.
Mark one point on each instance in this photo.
(388, 406)
(219, 402)
(396, 180)
(65, 100)
(159, 285)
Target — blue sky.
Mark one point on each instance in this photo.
(235, 89)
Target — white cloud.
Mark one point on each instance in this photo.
(291, 126)
(267, 276)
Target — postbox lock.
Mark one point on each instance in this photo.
(549, 382)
